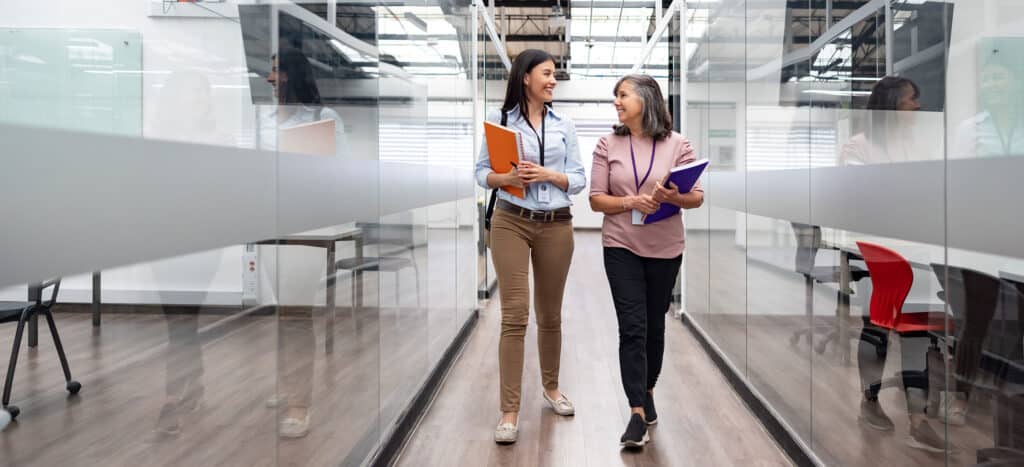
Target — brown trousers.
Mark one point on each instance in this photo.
(515, 242)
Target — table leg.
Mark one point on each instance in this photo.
(358, 274)
(35, 293)
(843, 307)
(96, 297)
(329, 298)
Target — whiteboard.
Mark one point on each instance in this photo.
(74, 79)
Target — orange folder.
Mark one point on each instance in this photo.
(504, 147)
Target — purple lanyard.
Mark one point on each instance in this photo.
(636, 176)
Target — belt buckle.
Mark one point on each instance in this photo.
(532, 212)
(552, 216)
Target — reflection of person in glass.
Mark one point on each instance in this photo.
(998, 128)
(887, 125)
(299, 102)
(298, 99)
(184, 367)
(184, 113)
(891, 106)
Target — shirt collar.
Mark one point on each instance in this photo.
(551, 113)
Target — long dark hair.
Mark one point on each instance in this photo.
(515, 92)
(300, 86)
(885, 96)
(657, 121)
(888, 91)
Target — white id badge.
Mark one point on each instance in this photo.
(638, 217)
(543, 195)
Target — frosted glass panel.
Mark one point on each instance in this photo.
(74, 79)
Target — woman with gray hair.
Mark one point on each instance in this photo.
(641, 261)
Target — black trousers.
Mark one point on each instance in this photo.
(642, 291)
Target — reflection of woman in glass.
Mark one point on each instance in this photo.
(185, 112)
(891, 106)
(998, 129)
(299, 102)
(298, 98)
(887, 126)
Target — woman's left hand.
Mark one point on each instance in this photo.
(665, 195)
(533, 173)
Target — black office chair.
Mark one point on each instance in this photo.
(400, 237)
(22, 312)
(808, 242)
(974, 298)
(1008, 412)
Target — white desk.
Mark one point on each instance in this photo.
(319, 238)
(327, 238)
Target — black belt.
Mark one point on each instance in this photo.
(557, 215)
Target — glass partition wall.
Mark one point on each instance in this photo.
(853, 262)
(262, 216)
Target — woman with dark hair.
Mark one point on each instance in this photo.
(293, 80)
(894, 93)
(886, 138)
(537, 230)
(886, 134)
(641, 261)
(298, 98)
(299, 102)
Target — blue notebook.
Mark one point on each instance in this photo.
(685, 177)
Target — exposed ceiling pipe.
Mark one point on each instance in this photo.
(618, 24)
(590, 35)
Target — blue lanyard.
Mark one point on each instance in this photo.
(636, 176)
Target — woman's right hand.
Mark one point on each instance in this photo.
(643, 203)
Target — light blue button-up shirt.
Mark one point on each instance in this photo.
(561, 154)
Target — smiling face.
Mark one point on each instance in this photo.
(540, 82)
(628, 104)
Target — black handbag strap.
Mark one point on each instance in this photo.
(494, 192)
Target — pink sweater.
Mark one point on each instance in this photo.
(612, 174)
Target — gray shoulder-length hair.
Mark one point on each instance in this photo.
(657, 122)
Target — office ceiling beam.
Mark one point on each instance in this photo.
(492, 32)
(830, 35)
(677, 5)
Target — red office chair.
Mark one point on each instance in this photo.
(891, 279)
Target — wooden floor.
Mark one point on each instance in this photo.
(702, 421)
(756, 307)
(381, 356)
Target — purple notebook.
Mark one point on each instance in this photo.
(684, 176)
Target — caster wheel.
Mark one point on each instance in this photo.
(13, 410)
(74, 387)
